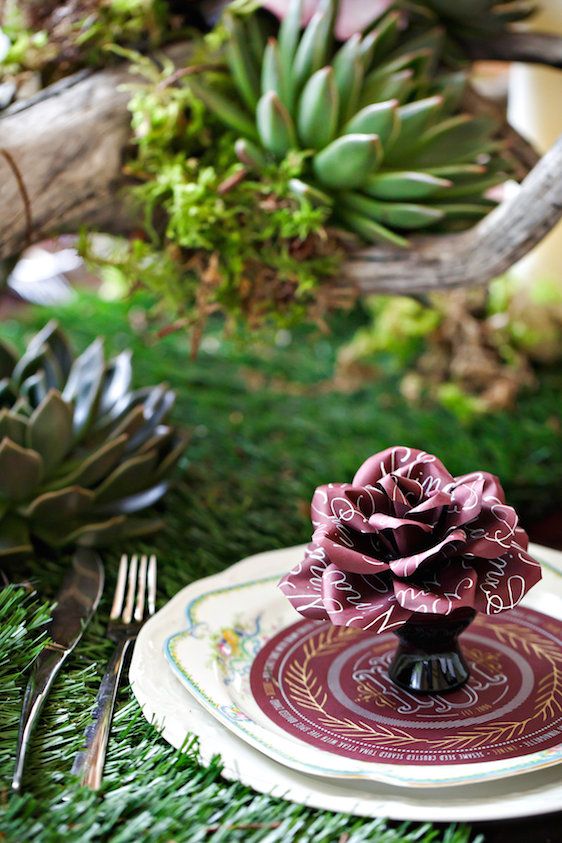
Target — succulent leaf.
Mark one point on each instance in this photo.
(307, 191)
(8, 360)
(131, 423)
(257, 37)
(395, 214)
(13, 427)
(272, 72)
(116, 381)
(21, 471)
(224, 109)
(49, 431)
(7, 393)
(129, 477)
(349, 72)
(241, 61)
(67, 452)
(464, 210)
(250, 154)
(275, 125)
(318, 110)
(15, 540)
(89, 470)
(312, 51)
(60, 506)
(397, 86)
(347, 161)
(38, 359)
(405, 185)
(378, 43)
(52, 337)
(413, 120)
(83, 385)
(289, 33)
(161, 436)
(458, 139)
(379, 118)
(89, 534)
(34, 388)
(134, 503)
(370, 230)
(175, 449)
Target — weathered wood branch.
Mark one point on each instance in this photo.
(475, 256)
(66, 147)
(531, 47)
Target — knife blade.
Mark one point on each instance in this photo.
(76, 603)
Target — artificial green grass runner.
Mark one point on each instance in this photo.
(266, 429)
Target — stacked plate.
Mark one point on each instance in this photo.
(303, 710)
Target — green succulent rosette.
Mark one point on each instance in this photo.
(81, 453)
(376, 118)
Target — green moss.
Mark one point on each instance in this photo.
(55, 44)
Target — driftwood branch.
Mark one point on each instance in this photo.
(529, 47)
(477, 255)
(66, 147)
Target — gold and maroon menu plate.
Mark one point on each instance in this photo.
(317, 698)
(329, 687)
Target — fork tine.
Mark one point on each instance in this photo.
(127, 616)
(141, 590)
(117, 607)
(152, 585)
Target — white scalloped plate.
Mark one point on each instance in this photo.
(292, 772)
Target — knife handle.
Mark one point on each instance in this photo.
(89, 763)
(43, 673)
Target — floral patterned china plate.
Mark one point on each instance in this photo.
(177, 713)
(317, 698)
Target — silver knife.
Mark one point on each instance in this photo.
(76, 603)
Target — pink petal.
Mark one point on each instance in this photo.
(502, 582)
(363, 602)
(346, 557)
(357, 15)
(403, 493)
(453, 587)
(408, 565)
(493, 532)
(383, 463)
(354, 15)
(303, 585)
(492, 486)
(466, 502)
(346, 504)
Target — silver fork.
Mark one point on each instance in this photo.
(138, 580)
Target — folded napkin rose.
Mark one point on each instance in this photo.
(407, 537)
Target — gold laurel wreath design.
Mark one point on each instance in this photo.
(308, 692)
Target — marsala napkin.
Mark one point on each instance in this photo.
(407, 537)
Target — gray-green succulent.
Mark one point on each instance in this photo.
(377, 120)
(80, 451)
